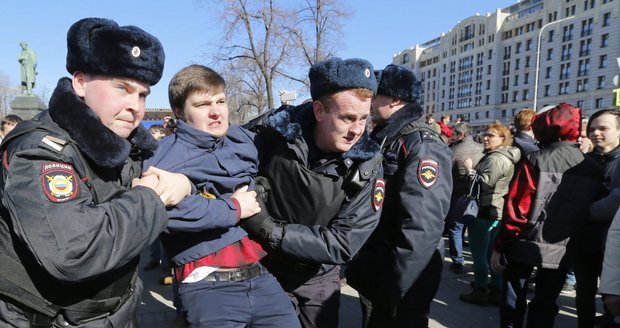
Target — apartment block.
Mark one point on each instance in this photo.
(532, 54)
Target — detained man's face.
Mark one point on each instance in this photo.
(604, 133)
(118, 102)
(341, 121)
(207, 112)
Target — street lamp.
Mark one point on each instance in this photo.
(538, 56)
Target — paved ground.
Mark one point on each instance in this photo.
(156, 310)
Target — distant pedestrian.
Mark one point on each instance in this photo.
(463, 146)
(493, 173)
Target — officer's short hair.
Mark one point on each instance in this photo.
(193, 78)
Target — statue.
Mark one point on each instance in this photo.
(28, 61)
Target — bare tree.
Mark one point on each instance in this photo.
(255, 33)
(7, 93)
(318, 25)
(267, 43)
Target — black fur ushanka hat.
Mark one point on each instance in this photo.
(335, 74)
(101, 46)
(398, 82)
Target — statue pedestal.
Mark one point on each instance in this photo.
(26, 106)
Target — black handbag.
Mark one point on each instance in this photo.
(465, 209)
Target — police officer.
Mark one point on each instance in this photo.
(397, 272)
(323, 171)
(75, 214)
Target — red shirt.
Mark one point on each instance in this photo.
(239, 254)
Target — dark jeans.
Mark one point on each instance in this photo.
(455, 239)
(413, 309)
(543, 308)
(259, 302)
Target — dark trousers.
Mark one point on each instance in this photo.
(257, 302)
(543, 308)
(588, 263)
(413, 309)
(317, 299)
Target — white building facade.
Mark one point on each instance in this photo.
(484, 69)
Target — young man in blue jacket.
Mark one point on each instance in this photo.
(221, 281)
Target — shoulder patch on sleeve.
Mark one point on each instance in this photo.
(378, 194)
(60, 182)
(427, 172)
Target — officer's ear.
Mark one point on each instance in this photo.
(319, 110)
(78, 83)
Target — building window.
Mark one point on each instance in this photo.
(517, 61)
(527, 61)
(563, 89)
(602, 61)
(601, 82)
(582, 85)
(548, 73)
(526, 78)
(567, 50)
(584, 47)
(549, 53)
(528, 45)
(564, 71)
(551, 33)
(580, 104)
(526, 94)
(486, 114)
(547, 90)
(604, 40)
(516, 82)
(518, 48)
(598, 103)
(488, 99)
(568, 33)
(584, 67)
(586, 27)
(606, 19)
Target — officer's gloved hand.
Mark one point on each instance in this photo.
(259, 226)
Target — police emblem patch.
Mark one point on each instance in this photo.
(59, 181)
(378, 194)
(427, 172)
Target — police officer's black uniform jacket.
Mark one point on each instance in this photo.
(324, 200)
(71, 225)
(418, 187)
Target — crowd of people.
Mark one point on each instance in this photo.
(257, 224)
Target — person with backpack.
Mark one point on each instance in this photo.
(548, 202)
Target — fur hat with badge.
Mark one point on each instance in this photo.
(101, 46)
(398, 82)
(335, 74)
